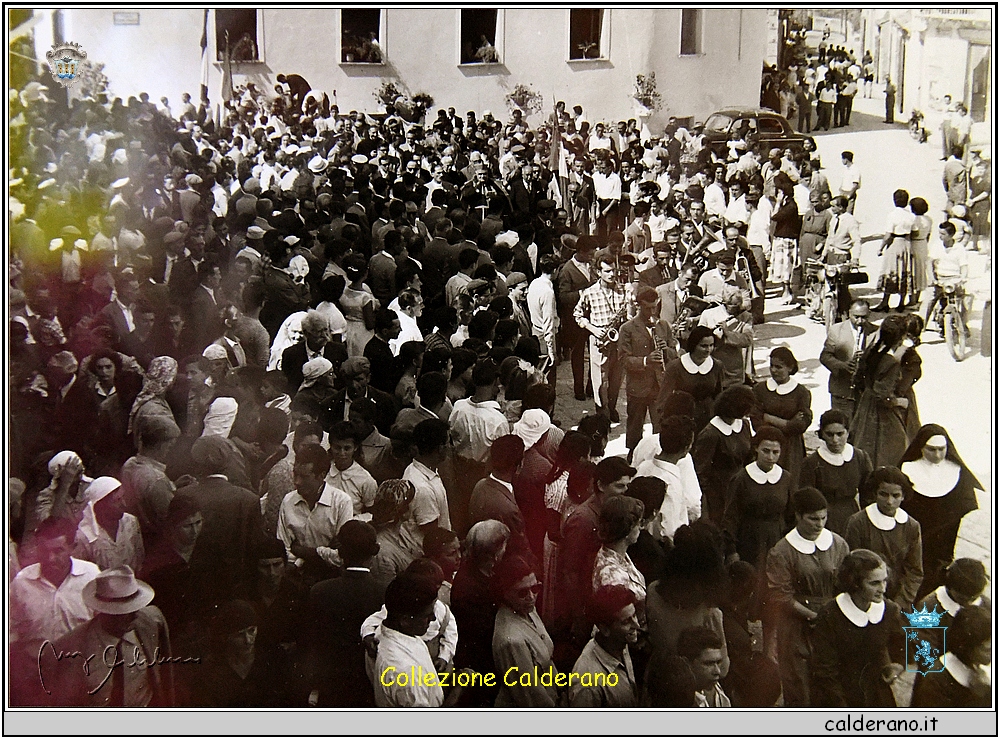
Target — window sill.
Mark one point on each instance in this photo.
(362, 64)
(585, 61)
(691, 56)
(480, 64)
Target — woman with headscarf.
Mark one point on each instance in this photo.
(474, 604)
(876, 427)
(541, 440)
(66, 494)
(944, 491)
(151, 400)
(390, 509)
(288, 335)
(107, 535)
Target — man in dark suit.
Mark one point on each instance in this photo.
(673, 294)
(844, 344)
(316, 342)
(177, 269)
(493, 497)
(118, 313)
(225, 551)
(203, 312)
(338, 607)
(72, 408)
(662, 272)
(574, 276)
(356, 374)
(384, 366)
(646, 344)
(525, 191)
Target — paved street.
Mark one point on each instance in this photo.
(959, 396)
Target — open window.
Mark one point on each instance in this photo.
(588, 34)
(770, 127)
(691, 19)
(480, 36)
(362, 34)
(240, 29)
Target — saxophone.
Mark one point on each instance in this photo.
(611, 333)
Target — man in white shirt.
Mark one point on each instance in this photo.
(681, 505)
(760, 210)
(542, 309)
(411, 306)
(851, 182)
(430, 503)
(608, 190)
(402, 653)
(312, 514)
(477, 422)
(46, 598)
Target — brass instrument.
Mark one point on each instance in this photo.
(743, 267)
(611, 332)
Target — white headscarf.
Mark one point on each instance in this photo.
(289, 334)
(220, 417)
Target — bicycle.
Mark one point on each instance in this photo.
(949, 314)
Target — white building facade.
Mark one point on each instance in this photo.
(469, 59)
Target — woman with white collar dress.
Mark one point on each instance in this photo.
(965, 584)
(787, 406)
(802, 578)
(757, 502)
(858, 639)
(965, 680)
(696, 373)
(837, 470)
(722, 448)
(890, 532)
(945, 491)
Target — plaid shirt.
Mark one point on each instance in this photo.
(599, 305)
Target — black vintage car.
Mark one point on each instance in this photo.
(772, 129)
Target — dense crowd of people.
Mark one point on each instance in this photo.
(282, 399)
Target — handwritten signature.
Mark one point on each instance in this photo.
(110, 659)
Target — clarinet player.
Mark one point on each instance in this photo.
(645, 345)
(602, 309)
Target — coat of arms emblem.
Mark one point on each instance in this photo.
(920, 651)
(64, 62)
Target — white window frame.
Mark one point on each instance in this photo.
(605, 42)
(382, 36)
(260, 40)
(700, 35)
(498, 43)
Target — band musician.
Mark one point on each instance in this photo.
(602, 307)
(645, 345)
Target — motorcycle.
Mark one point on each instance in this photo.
(828, 288)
